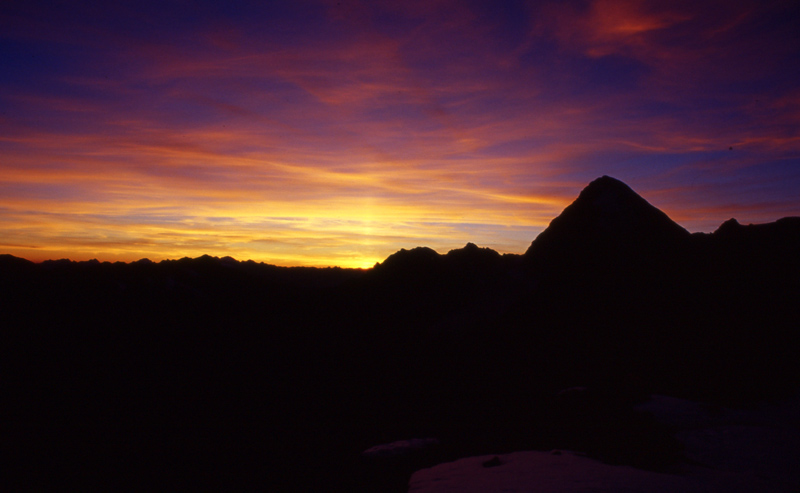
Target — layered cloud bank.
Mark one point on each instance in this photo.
(335, 133)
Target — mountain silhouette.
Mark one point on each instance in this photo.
(608, 223)
(254, 376)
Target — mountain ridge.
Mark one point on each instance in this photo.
(606, 211)
(274, 375)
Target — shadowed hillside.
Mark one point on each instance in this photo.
(225, 374)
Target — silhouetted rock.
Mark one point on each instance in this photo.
(607, 223)
(472, 254)
(8, 262)
(261, 373)
(493, 462)
(400, 448)
(415, 258)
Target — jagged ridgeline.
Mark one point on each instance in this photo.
(204, 368)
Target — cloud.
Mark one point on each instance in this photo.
(316, 133)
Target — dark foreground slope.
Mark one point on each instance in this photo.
(216, 373)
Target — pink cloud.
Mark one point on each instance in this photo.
(437, 118)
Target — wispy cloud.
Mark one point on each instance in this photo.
(324, 134)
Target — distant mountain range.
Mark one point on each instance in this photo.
(214, 371)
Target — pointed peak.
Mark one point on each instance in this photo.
(728, 226)
(608, 199)
(607, 211)
(468, 248)
(606, 182)
(471, 252)
(606, 189)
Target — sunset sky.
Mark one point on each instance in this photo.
(337, 132)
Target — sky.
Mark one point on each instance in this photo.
(334, 133)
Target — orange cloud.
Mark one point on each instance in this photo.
(361, 131)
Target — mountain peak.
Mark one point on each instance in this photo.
(607, 214)
(607, 183)
(607, 198)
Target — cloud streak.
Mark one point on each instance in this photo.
(328, 135)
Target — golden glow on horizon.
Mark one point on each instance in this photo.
(384, 127)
